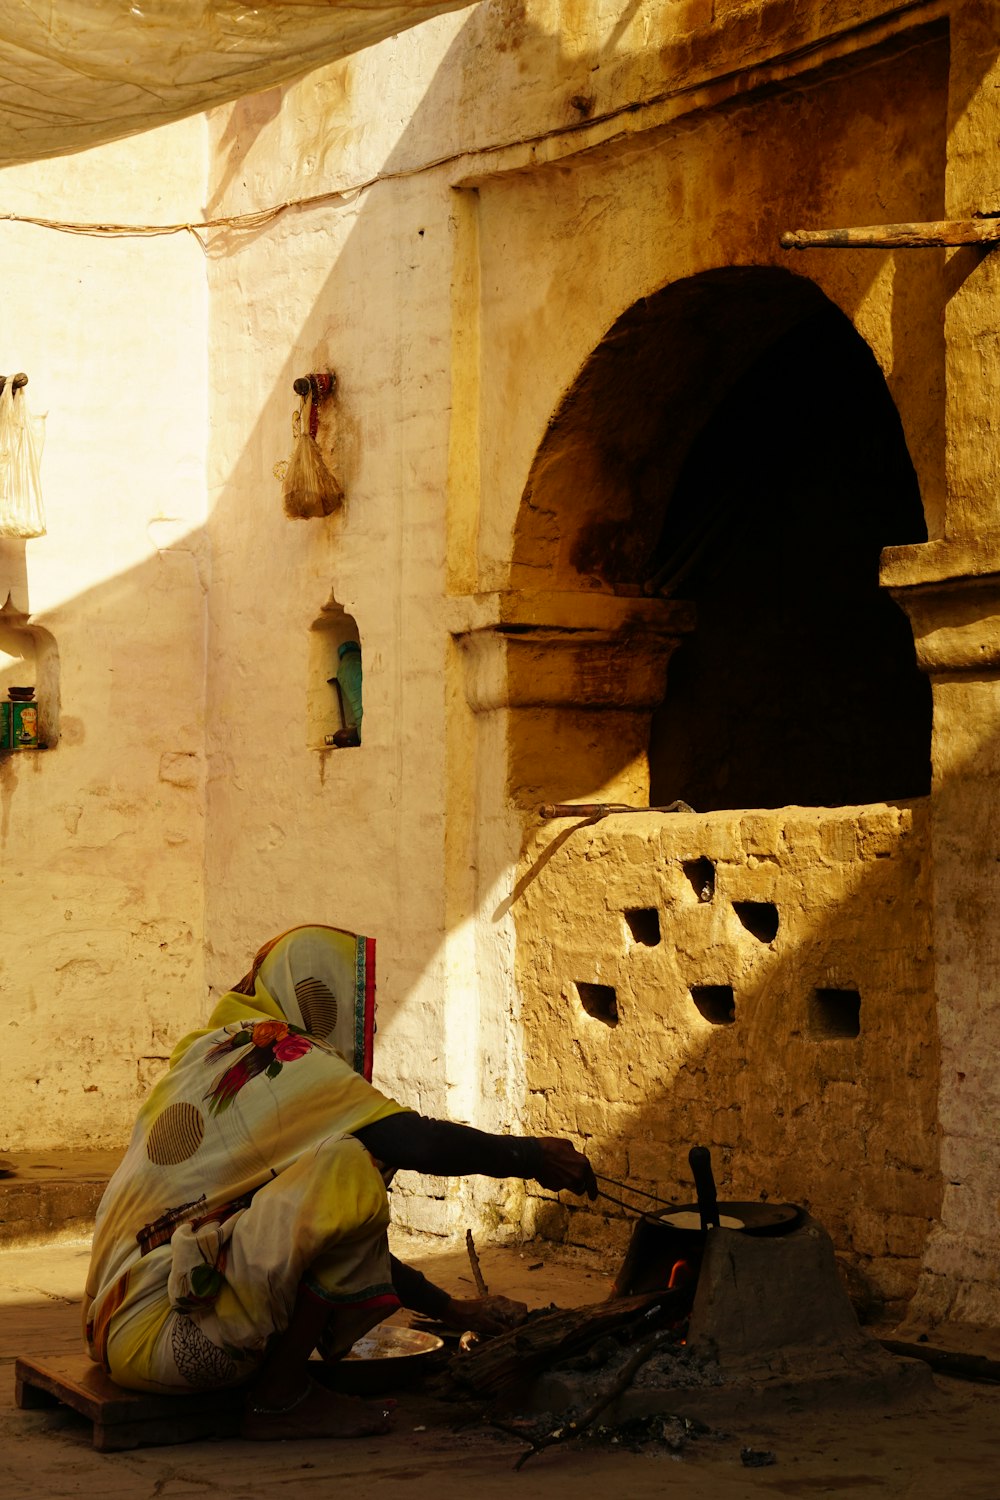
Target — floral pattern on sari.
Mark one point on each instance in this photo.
(264, 1047)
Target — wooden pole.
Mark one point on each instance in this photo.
(477, 1270)
(896, 236)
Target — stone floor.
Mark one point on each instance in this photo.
(952, 1452)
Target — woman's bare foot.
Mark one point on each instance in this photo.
(317, 1413)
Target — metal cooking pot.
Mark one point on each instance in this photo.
(666, 1247)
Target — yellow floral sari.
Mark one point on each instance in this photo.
(243, 1180)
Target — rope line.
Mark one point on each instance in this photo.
(254, 219)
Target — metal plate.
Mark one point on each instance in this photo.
(756, 1218)
(384, 1359)
(688, 1218)
(389, 1341)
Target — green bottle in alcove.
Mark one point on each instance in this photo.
(349, 679)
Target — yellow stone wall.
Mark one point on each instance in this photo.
(102, 836)
(605, 234)
(793, 1106)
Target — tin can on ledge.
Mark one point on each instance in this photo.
(23, 712)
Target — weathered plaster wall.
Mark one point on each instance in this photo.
(358, 285)
(101, 837)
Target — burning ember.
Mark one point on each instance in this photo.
(681, 1276)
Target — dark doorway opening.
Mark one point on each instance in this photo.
(800, 683)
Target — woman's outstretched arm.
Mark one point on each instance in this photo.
(415, 1143)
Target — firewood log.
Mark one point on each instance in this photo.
(551, 1337)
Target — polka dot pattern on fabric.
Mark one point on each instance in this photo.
(176, 1135)
(318, 1005)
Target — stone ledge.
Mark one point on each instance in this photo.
(604, 615)
(46, 1194)
(537, 649)
(941, 560)
(955, 621)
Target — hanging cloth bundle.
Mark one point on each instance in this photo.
(21, 512)
(309, 489)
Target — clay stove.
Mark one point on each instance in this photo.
(771, 1326)
(761, 1320)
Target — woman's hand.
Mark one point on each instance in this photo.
(565, 1167)
(484, 1315)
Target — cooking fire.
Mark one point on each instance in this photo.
(722, 1314)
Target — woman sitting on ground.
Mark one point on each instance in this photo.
(246, 1226)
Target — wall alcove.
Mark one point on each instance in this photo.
(333, 703)
(29, 657)
(732, 444)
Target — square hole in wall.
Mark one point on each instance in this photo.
(643, 922)
(834, 1015)
(715, 1002)
(599, 1001)
(701, 874)
(760, 918)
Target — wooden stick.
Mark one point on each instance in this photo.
(896, 236)
(573, 1429)
(597, 810)
(477, 1270)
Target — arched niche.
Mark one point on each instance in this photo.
(328, 708)
(29, 657)
(732, 445)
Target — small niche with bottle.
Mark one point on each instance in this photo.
(335, 706)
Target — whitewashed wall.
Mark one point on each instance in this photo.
(101, 838)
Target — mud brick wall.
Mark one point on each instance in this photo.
(758, 983)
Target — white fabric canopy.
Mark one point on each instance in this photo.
(77, 72)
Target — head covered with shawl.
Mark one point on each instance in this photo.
(315, 981)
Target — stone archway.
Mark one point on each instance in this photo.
(731, 449)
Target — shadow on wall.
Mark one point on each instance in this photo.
(102, 935)
(246, 524)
